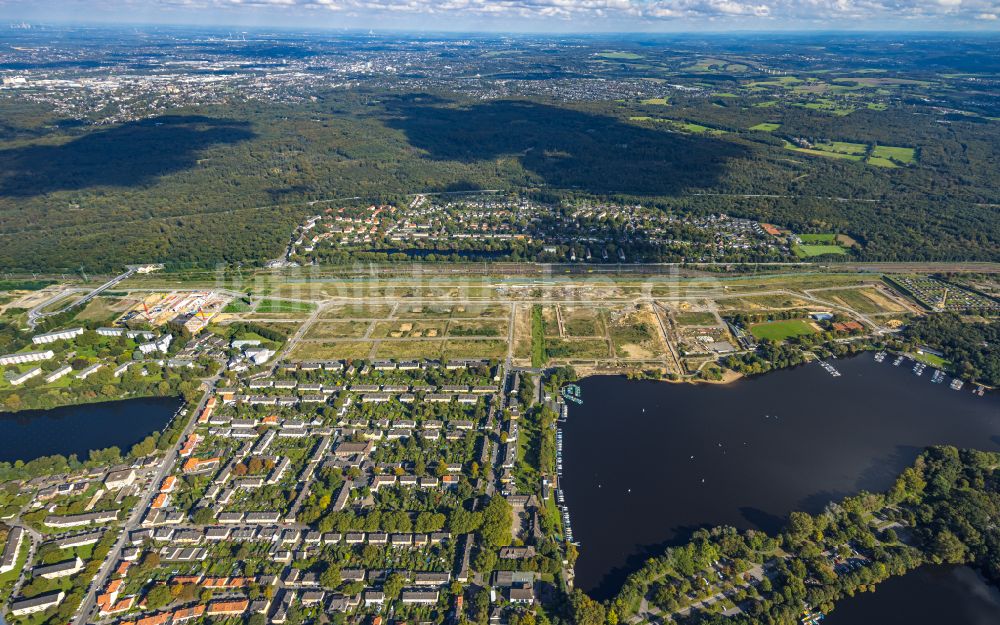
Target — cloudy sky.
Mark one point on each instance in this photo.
(527, 15)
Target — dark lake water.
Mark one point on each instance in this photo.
(78, 429)
(646, 463)
(933, 595)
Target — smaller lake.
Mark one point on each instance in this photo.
(79, 429)
(932, 595)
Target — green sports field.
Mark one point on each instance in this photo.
(781, 330)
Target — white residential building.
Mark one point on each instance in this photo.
(58, 335)
(23, 357)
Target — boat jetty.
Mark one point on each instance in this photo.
(571, 392)
(938, 377)
(829, 368)
(560, 497)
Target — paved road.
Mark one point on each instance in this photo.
(36, 313)
(87, 606)
(34, 540)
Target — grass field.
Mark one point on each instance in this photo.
(237, 306)
(101, 308)
(280, 306)
(881, 162)
(337, 330)
(409, 329)
(496, 328)
(807, 251)
(827, 237)
(568, 349)
(695, 319)
(407, 350)
(766, 127)
(582, 321)
(893, 153)
(829, 154)
(781, 330)
(331, 350)
(357, 311)
(490, 348)
(932, 360)
(864, 301)
(697, 128)
(659, 101)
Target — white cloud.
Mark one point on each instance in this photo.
(743, 13)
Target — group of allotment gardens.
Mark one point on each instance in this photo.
(294, 492)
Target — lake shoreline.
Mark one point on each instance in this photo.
(806, 398)
(86, 402)
(81, 428)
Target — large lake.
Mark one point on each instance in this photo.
(79, 429)
(646, 463)
(932, 595)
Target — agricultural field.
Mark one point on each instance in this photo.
(781, 330)
(766, 126)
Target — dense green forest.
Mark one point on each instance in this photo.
(972, 348)
(228, 184)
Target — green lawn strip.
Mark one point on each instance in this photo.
(932, 360)
(538, 356)
(281, 306)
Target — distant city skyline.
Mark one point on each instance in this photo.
(556, 16)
